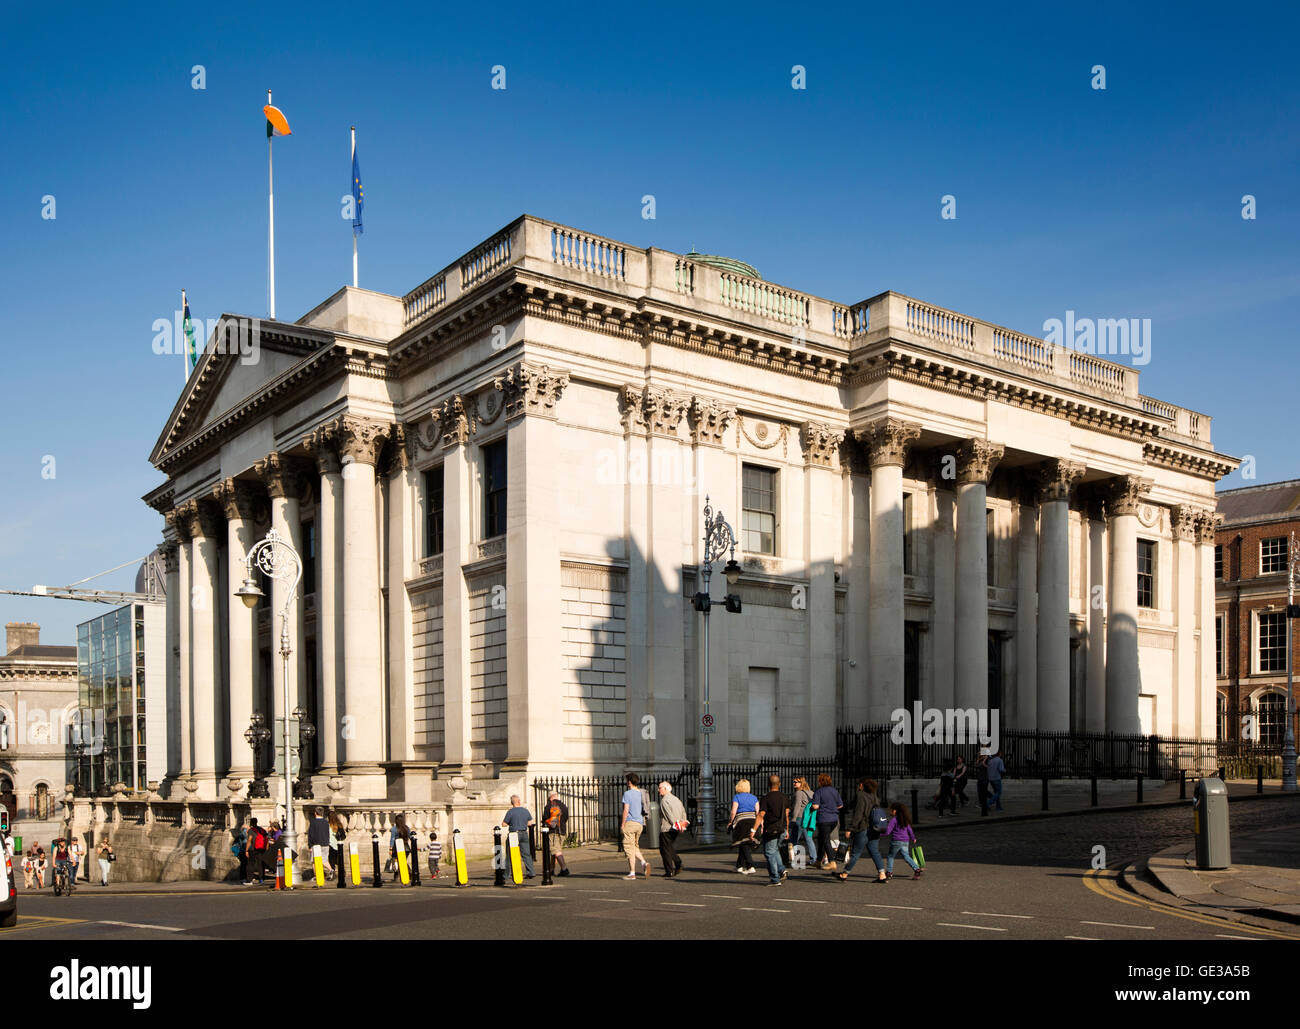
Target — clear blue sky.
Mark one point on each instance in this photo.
(1122, 203)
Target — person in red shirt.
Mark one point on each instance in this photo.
(555, 816)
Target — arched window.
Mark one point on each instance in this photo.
(1271, 709)
(41, 802)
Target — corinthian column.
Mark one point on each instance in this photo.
(363, 697)
(322, 445)
(171, 562)
(887, 445)
(820, 444)
(1055, 481)
(976, 459)
(205, 527)
(1122, 678)
(238, 499)
(282, 476)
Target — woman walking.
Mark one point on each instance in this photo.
(107, 857)
(862, 834)
(338, 837)
(901, 837)
(399, 830)
(803, 795)
(744, 812)
(827, 803)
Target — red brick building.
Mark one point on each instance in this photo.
(1253, 545)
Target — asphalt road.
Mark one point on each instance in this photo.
(1017, 880)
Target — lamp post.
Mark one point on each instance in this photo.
(1292, 613)
(257, 735)
(718, 537)
(279, 561)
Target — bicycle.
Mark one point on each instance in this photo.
(63, 884)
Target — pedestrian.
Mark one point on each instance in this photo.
(62, 855)
(772, 826)
(864, 834)
(435, 854)
(631, 825)
(960, 776)
(338, 843)
(259, 845)
(239, 847)
(672, 821)
(901, 837)
(106, 859)
(517, 820)
(29, 868)
(997, 768)
(401, 831)
(800, 836)
(982, 781)
(74, 858)
(42, 866)
(744, 815)
(556, 819)
(827, 803)
(318, 833)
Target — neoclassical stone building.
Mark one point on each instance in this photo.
(498, 481)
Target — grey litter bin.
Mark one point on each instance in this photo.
(1210, 824)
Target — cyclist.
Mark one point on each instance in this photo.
(63, 859)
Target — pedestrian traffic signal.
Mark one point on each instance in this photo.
(4, 821)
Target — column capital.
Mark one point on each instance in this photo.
(889, 440)
(360, 439)
(178, 523)
(976, 459)
(281, 474)
(454, 422)
(1207, 526)
(654, 409)
(399, 453)
(709, 419)
(170, 556)
(1055, 479)
(1125, 495)
(530, 389)
(202, 518)
(1184, 520)
(322, 443)
(853, 455)
(820, 442)
(238, 499)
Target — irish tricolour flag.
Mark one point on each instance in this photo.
(276, 123)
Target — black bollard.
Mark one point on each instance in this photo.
(1221, 778)
(1094, 791)
(1259, 778)
(916, 810)
(415, 859)
(498, 858)
(1044, 793)
(379, 878)
(546, 857)
(1139, 787)
(1182, 784)
(342, 869)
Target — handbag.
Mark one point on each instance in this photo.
(918, 855)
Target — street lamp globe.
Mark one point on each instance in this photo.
(249, 592)
(732, 572)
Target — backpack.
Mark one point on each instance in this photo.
(879, 818)
(259, 839)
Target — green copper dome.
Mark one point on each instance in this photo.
(728, 264)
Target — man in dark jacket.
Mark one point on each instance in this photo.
(555, 816)
(318, 833)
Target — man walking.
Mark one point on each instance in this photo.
(982, 781)
(772, 825)
(318, 833)
(631, 824)
(517, 820)
(672, 819)
(556, 819)
(997, 768)
(257, 849)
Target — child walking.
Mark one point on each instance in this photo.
(901, 836)
(435, 854)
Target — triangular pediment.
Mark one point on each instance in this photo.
(240, 358)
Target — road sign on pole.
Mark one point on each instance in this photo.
(706, 724)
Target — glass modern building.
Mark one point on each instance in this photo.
(114, 665)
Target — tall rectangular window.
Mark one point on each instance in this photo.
(1146, 573)
(758, 525)
(1272, 641)
(909, 562)
(990, 552)
(308, 558)
(433, 522)
(1272, 555)
(1218, 560)
(1219, 658)
(494, 489)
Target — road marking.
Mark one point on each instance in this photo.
(1118, 925)
(806, 902)
(893, 907)
(960, 925)
(1225, 936)
(1081, 937)
(40, 922)
(587, 891)
(140, 925)
(994, 914)
(720, 896)
(658, 893)
(870, 918)
(1106, 885)
(680, 904)
(610, 900)
(776, 911)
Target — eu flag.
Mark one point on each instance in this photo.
(358, 195)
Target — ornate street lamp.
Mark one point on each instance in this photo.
(1292, 613)
(718, 537)
(257, 735)
(279, 562)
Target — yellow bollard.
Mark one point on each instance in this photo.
(458, 854)
(319, 862)
(355, 860)
(402, 866)
(516, 862)
(288, 869)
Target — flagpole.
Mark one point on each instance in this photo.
(185, 345)
(354, 231)
(270, 201)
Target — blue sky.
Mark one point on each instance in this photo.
(1117, 203)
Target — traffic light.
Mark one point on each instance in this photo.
(4, 821)
(733, 604)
